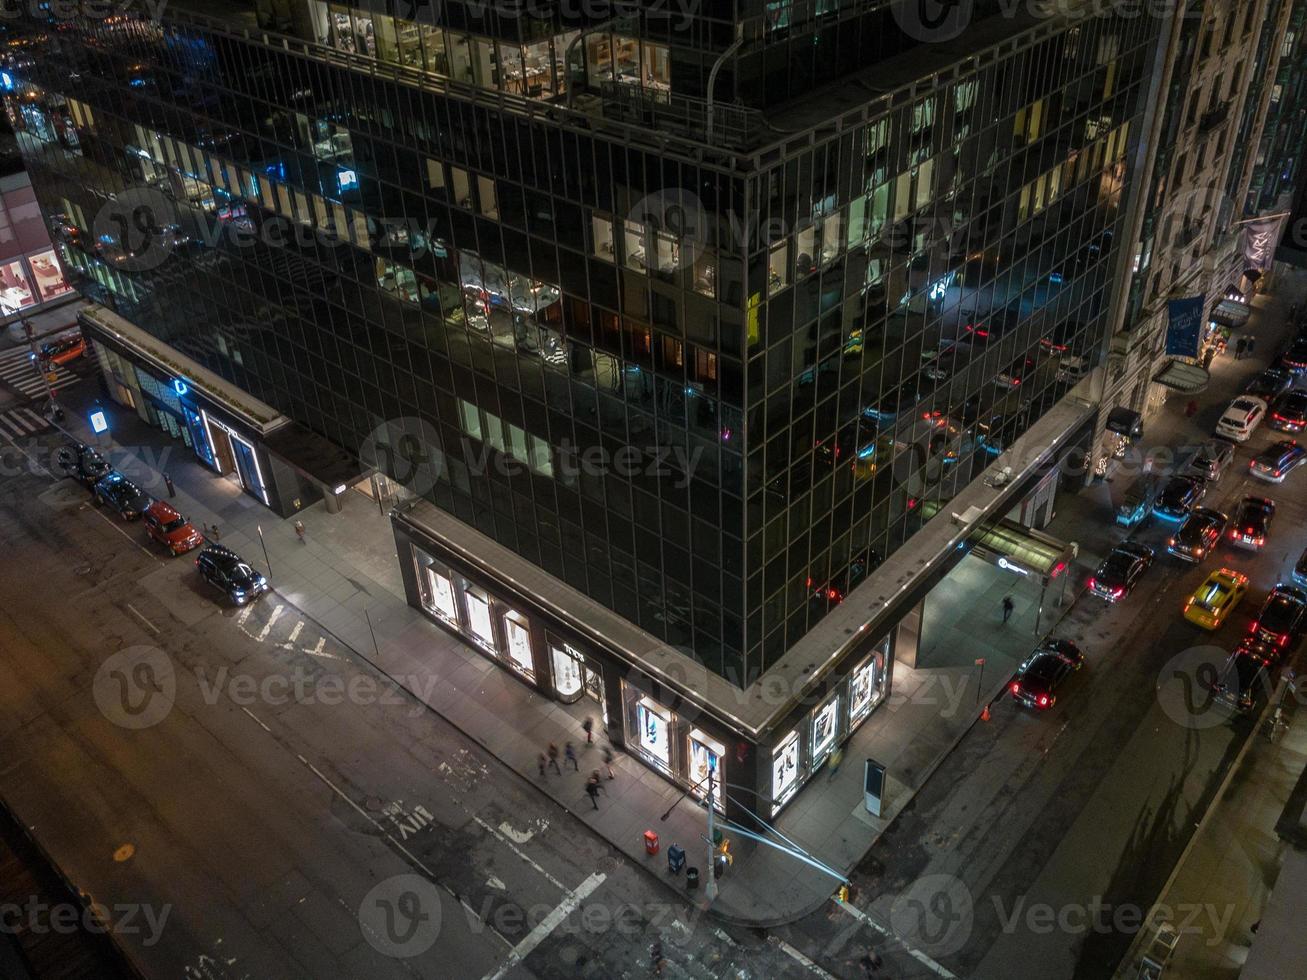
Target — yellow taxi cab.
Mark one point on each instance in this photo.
(1213, 601)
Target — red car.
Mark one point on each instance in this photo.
(170, 529)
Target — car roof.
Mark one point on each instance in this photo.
(163, 511)
(1206, 514)
(1291, 591)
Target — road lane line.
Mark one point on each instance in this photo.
(245, 614)
(138, 615)
(267, 627)
(802, 960)
(516, 850)
(548, 924)
(400, 847)
(295, 633)
(256, 720)
(916, 954)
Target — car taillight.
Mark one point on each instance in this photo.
(1253, 627)
(833, 594)
(1118, 593)
(1170, 542)
(1015, 688)
(1043, 701)
(1187, 605)
(1093, 583)
(1277, 473)
(1284, 639)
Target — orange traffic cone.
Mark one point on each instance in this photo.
(984, 715)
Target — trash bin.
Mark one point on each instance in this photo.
(675, 858)
(650, 842)
(691, 877)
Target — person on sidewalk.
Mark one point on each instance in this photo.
(1191, 409)
(656, 959)
(1250, 346)
(588, 726)
(1008, 606)
(871, 963)
(553, 757)
(569, 755)
(592, 791)
(541, 761)
(299, 531)
(836, 757)
(167, 482)
(608, 760)
(1240, 346)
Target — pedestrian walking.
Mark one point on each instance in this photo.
(214, 533)
(1240, 346)
(553, 758)
(167, 482)
(1008, 606)
(656, 959)
(871, 963)
(608, 760)
(569, 755)
(836, 757)
(588, 726)
(541, 761)
(299, 530)
(1250, 346)
(592, 791)
(1191, 409)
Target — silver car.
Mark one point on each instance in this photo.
(1211, 460)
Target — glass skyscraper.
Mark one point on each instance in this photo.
(696, 316)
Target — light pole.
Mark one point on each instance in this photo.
(36, 358)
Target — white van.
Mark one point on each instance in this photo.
(1243, 416)
(1071, 368)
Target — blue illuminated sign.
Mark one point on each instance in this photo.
(180, 386)
(99, 424)
(346, 180)
(7, 81)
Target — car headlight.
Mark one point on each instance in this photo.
(238, 593)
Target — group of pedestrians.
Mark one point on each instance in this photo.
(1244, 347)
(548, 759)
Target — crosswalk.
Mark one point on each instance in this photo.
(18, 371)
(18, 423)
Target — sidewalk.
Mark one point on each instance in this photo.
(60, 316)
(1232, 862)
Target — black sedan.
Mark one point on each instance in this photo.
(1120, 570)
(82, 463)
(1283, 617)
(1270, 384)
(127, 499)
(1294, 357)
(230, 574)
(1252, 522)
(1289, 413)
(1277, 461)
(1198, 534)
(1245, 678)
(1043, 672)
(1180, 495)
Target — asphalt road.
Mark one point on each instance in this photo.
(252, 801)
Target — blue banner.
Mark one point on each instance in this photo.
(1184, 326)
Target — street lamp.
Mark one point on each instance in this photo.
(54, 410)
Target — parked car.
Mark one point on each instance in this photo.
(82, 463)
(1180, 495)
(1277, 460)
(63, 350)
(1289, 413)
(1300, 569)
(165, 525)
(1211, 460)
(1270, 384)
(1294, 357)
(1241, 418)
(1283, 617)
(1252, 522)
(227, 572)
(1245, 680)
(1213, 601)
(1120, 571)
(1198, 535)
(1071, 368)
(116, 491)
(1012, 375)
(1041, 674)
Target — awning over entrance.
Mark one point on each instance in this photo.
(1125, 422)
(1183, 376)
(1015, 547)
(1231, 313)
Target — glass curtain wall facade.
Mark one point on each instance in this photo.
(716, 433)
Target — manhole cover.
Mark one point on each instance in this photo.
(608, 865)
(373, 804)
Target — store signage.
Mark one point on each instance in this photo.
(1012, 567)
(99, 424)
(180, 386)
(873, 785)
(347, 180)
(6, 81)
(1184, 322)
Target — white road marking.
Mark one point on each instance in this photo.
(548, 924)
(802, 960)
(916, 954)
(493, 882)
(256, 720)
(138, 615)
(398, 846)
(520, 853)
(295, 633)
(267, 627)
(245, 614)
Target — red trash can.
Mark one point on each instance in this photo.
(650, 842)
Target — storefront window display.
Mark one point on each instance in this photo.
(652, 736)
(785, 769)
(567, 665)
(706, 755)
(825, 726)
(866, 684)
(478, 617)
(518, 635)
(49, 275)
(438, 594)
(15, 290)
